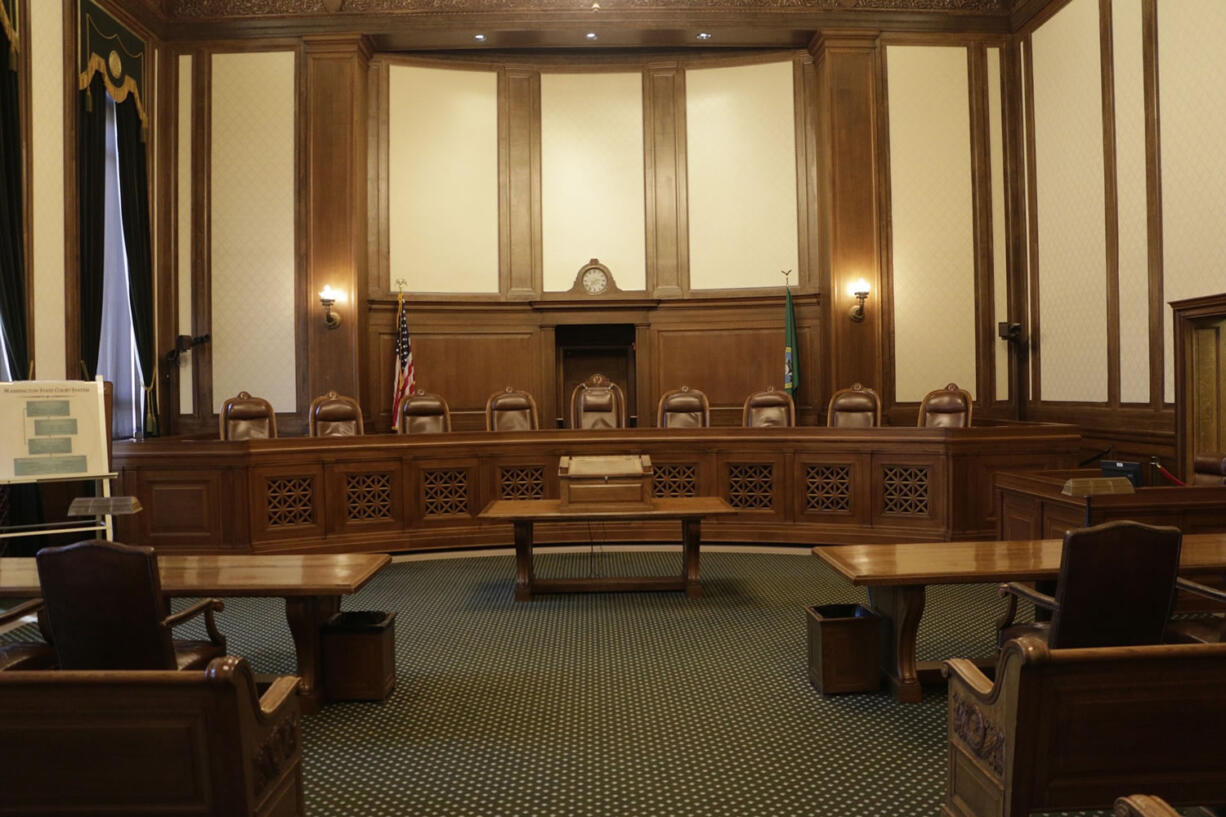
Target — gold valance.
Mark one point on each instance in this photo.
(108, 48)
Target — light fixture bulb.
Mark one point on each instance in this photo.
(591, 35)
(479, 38)
(327, 293)
(704, 35)
(859, 286)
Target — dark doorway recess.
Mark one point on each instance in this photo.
(587, 349)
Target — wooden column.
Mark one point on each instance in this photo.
(849, 226)
(668, 243)
(335, 218)
(519, 171)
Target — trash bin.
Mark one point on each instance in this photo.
(359, 655)
(844, 648)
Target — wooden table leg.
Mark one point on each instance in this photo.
(900, 608)
(524, 577)
(691, 535)
(306, 616)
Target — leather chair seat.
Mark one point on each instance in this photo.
(854, 407)
(244, 417)
(770, 408)
(683, 408)
(334, 415)
(597, 403)
(510, 410)
(950, 407)
(1209, 469)
(425, 413)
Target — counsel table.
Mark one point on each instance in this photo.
(311, 584)
(524, 512)
(896, 576)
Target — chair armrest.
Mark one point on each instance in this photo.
(206, 606)
(1142, 805)
(20, 611)
(1215, 593)
(965, 670)
(1030, 594)
(278, 692)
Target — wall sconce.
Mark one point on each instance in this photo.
(327, 298)
(859, 290)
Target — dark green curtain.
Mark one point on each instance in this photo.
(91, 185)
(12, 248)
(134, 200)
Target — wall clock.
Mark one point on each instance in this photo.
(594, 278)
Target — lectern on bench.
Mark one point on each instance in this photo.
(606, 489)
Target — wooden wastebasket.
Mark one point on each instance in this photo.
(359, 656)
(844, 648)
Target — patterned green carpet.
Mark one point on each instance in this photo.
(618, 704)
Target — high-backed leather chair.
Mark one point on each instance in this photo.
(854, 407)
(24, 655)
(772, 407)
(105, 610)
(424, 413)
(950, 407)
(683, 408)
(597, 403)
(1209, 469)
(1116, 588)
(244, 417)
(334, 415)
(510, 410)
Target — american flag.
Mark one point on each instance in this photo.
(403, 384)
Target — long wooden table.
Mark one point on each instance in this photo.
(524, 512)
(896, 577)
(312, 586)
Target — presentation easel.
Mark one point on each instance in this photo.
(55, 431)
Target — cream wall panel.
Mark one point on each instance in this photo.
(1071, 210)
(592, 177)
(443, 179)
(932, 215)
(183, 216)
(1192, 73)
(47, 218)
(741, 157)
(252, 220)
(1000, 282)
(1133, 208)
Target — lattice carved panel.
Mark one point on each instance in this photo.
(904, 490)
(368, 497)
(828, 488)
(445, 492)
(675, 479)
(751, 487)
(290, 501)
(521, 482)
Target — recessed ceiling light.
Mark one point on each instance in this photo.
(591, 35)
(479, 38)
(703, 35)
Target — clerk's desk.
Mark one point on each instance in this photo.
(312, 586)
(896, 576)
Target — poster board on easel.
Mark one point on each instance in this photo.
(52, 430)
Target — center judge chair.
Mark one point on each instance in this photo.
(510, 410)
(597, 403)
(334, 415)
(768, 408)
(105, 610)
(424, 413)
(1116, 588)
(244, 417)
(854, 407)
(683, 408)
(950, 407)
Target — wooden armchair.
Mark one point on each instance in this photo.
(1066, 730)
(105, 610)
(205, 742)
(1142, 805)
(1116, 587)
(24, 654)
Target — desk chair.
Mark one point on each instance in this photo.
(510, 410)
(950, 407)
(772, 407)
(683, 408)
(334, 415)
(597, 403)
(1209, 469)
(854, 407)
(424, 413)
(244, 417)
(1116, 588)
(106, 611)
(23, 655)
